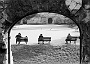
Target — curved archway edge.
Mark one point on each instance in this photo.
(80, 18)
(33, 16)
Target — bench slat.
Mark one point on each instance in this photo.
(44, 39)
(22, 39)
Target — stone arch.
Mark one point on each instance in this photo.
(33, 16)
(80, 17)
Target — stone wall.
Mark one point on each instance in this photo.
(16, 12)
(2, 49)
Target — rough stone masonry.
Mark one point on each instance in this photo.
(12, 11)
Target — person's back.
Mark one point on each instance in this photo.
(18, 36)
(41, 36)
(69, 36)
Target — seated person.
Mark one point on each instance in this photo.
(18, 37)
(69, 36)
(26, 38)
(41, 37)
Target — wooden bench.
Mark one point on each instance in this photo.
(44, 39)
(22, 39)
(73, 38)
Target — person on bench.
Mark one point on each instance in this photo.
(18, 37)
(41, 38)
(69, 38)
(26, 39)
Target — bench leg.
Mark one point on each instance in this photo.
(74, 42)
(16, 41)
(70, 42)
(66, 42)
(42, 42)
(38, 42)
(49, 42)
(26, 42)
(19, 42)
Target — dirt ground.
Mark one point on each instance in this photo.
(46, 54)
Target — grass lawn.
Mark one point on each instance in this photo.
(45, 54)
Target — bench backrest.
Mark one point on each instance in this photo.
(24, 38)
(74, 39)
(45, 38)
(75, 36)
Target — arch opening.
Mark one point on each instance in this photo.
(52, 23)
